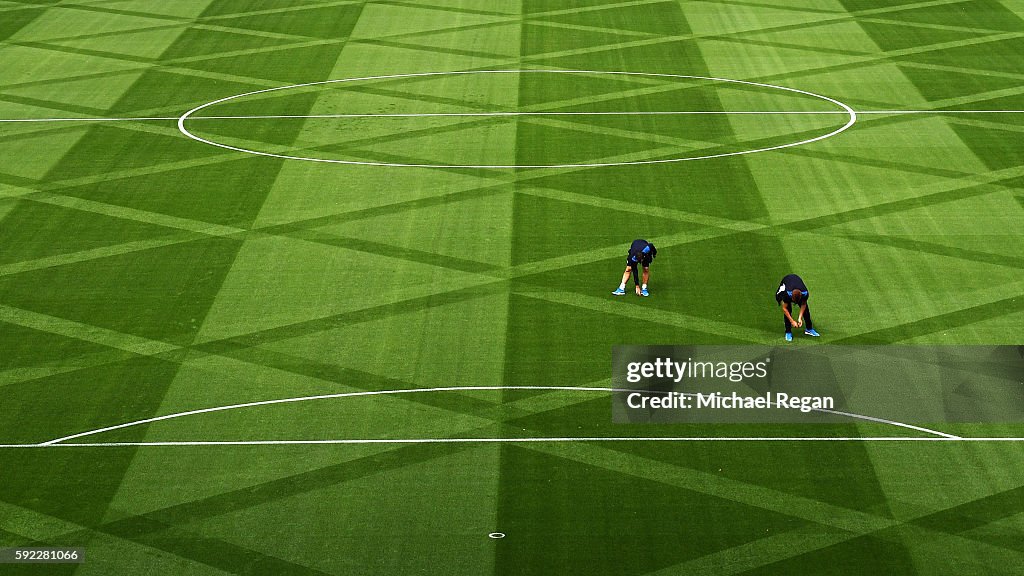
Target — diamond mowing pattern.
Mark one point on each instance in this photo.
(142, 529)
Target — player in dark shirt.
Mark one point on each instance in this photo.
(792, 290)
(641, 253)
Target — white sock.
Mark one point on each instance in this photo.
(622, 286)
(644, 287)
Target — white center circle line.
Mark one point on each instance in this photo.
(190, 115)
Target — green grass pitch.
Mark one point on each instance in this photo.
(145, 273)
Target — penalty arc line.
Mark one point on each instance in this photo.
(59, 441)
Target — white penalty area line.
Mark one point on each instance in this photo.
(499, 114)
(515, 441)
(125, 119)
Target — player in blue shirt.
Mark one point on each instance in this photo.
(641, 253)
(792, 290)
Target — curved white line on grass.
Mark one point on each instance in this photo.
(188, 115)
(57, 441)
(883, 421)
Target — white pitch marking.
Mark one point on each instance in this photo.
(58, 441)
(427, 115)
(140, 119)
(317, 397)
(628, 113)
(941, 112)
(188, 115)
(471, 114)
(882, 421)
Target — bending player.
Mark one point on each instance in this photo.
(641, 253)
(792, 290)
